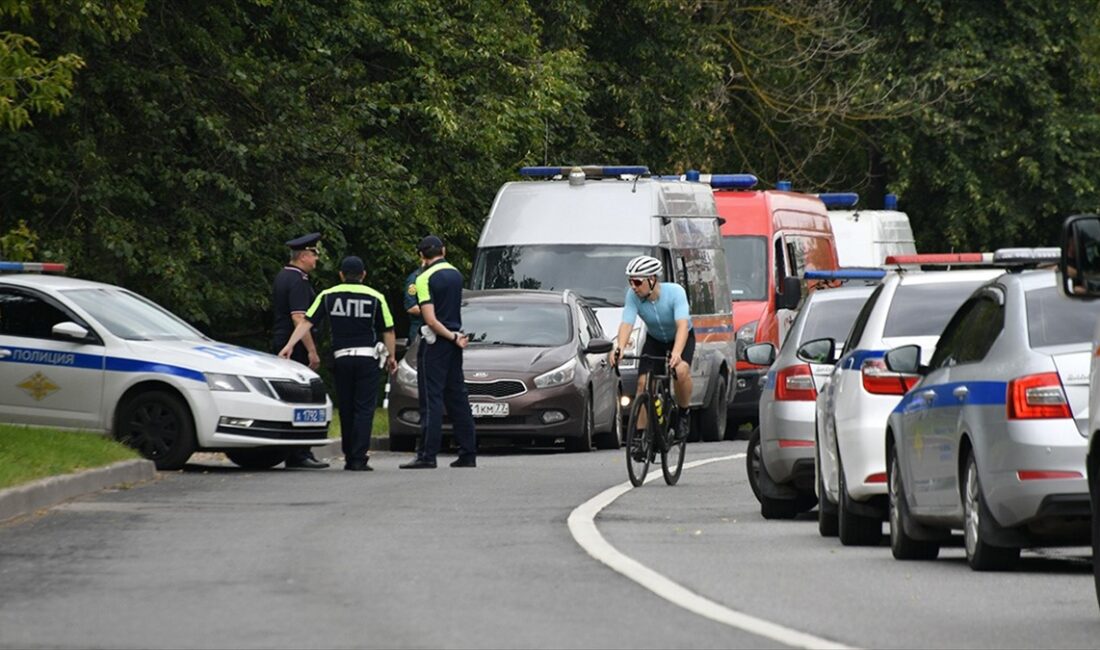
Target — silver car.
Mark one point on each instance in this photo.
(993, 438)
(781, 452)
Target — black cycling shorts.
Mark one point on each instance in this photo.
(659, 348)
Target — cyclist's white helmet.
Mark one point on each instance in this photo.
(643, 266)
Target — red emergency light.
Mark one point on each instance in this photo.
(32, 267)
(941, 258)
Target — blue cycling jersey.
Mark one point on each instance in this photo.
(660, 316)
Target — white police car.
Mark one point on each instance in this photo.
(93, 356)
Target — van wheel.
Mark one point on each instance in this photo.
(711, 422)
(257, 457)
(158, 425)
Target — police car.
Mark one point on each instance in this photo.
(910, 306)
(93, 356)
(993, 438)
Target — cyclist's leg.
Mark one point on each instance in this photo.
(682, 385)
(643, 378)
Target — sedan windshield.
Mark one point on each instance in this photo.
(523, 324)
(129, 316)
(595, 272)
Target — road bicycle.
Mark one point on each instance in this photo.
(661, 433)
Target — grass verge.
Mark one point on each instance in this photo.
(29, 453)
(381, 424)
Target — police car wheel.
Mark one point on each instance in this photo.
(980, 555)
(752, 463)
(257, 457)
(902, 545)
(158, 425)
(827, 524)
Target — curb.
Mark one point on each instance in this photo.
(43, 493)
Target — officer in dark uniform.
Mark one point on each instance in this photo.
(359, 319)
(439, 360)
(412, 306)
(293, 295)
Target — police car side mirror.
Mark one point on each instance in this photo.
(598, 346)
(905, 360)
(818, 351)
(790, 293)
(760, 354)
(70, 331)
(1079, 264)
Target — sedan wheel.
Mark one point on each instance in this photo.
(158, 425)
(902, 545)
(979, 554)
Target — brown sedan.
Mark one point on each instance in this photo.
(536, 373)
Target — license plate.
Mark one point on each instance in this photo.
(309, 416)
(489, 409)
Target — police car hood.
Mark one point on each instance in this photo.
(215, 357)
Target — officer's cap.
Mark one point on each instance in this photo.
(428, 243)
(352, 265)
(305, 242)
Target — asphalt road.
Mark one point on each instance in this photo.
(214, 556)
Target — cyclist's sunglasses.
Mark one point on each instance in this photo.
(637, 282)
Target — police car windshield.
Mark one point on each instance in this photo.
(831, 318)
(924, 309)
(747, 266)
(517, 324)
(1053, 319)
(129, 316)
(594, 271)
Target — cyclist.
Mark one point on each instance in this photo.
(663, 307)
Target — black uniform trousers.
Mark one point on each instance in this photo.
(301, 355)
(441, 384)
(357, 392)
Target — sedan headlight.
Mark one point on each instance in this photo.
(231, 383)
(563, 374)
(406, 375)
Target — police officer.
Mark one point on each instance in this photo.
(293, 295)
(439, 359)
(412, 305)
(359, 318)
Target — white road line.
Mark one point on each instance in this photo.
(582, 524)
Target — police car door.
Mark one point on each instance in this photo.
(46, 379)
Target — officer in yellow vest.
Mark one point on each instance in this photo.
(440, 380)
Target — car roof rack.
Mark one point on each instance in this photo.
(32, 267)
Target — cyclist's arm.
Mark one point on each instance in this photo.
(621, 340)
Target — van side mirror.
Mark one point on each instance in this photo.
(760, 354)
(818, 351)
(905, 360)
(598, 346)
(1079, 264)
(70, 331)
(790, 293)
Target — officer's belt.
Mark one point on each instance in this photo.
(356, 352)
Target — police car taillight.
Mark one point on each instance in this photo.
(839, 200)
(795, 384)
(1036, 397)
(32, 267)
(880, 380)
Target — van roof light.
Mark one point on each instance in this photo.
(590, 171)
(890, 202)
(850, 273)
(732, 181)
(1021, 256)
(839, 200)
(32, 267)
(783, 186)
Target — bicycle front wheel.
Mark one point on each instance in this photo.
(672, 452)
(639, 444)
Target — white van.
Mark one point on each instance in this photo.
(867, 237)
(577, 227)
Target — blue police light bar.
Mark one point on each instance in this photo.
(783, 186)
(890, 202)
(32, 267)
(733, 181)
(845, 274)
(589, 170)
(839, 200)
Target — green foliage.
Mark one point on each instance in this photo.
(19, 244)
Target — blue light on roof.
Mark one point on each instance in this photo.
(839, 200)
(783, 186)
(845, 274)
(890, 202)
(733, 181)
(692, 175)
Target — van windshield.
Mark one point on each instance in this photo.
(747, 265)
(596, 272)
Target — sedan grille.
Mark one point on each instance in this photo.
(292, 391)
(496, 389)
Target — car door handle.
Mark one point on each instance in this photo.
(4, 354)
(961, 392)
(928, 395)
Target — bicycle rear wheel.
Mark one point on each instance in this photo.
(639, 444)
(672, 452)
